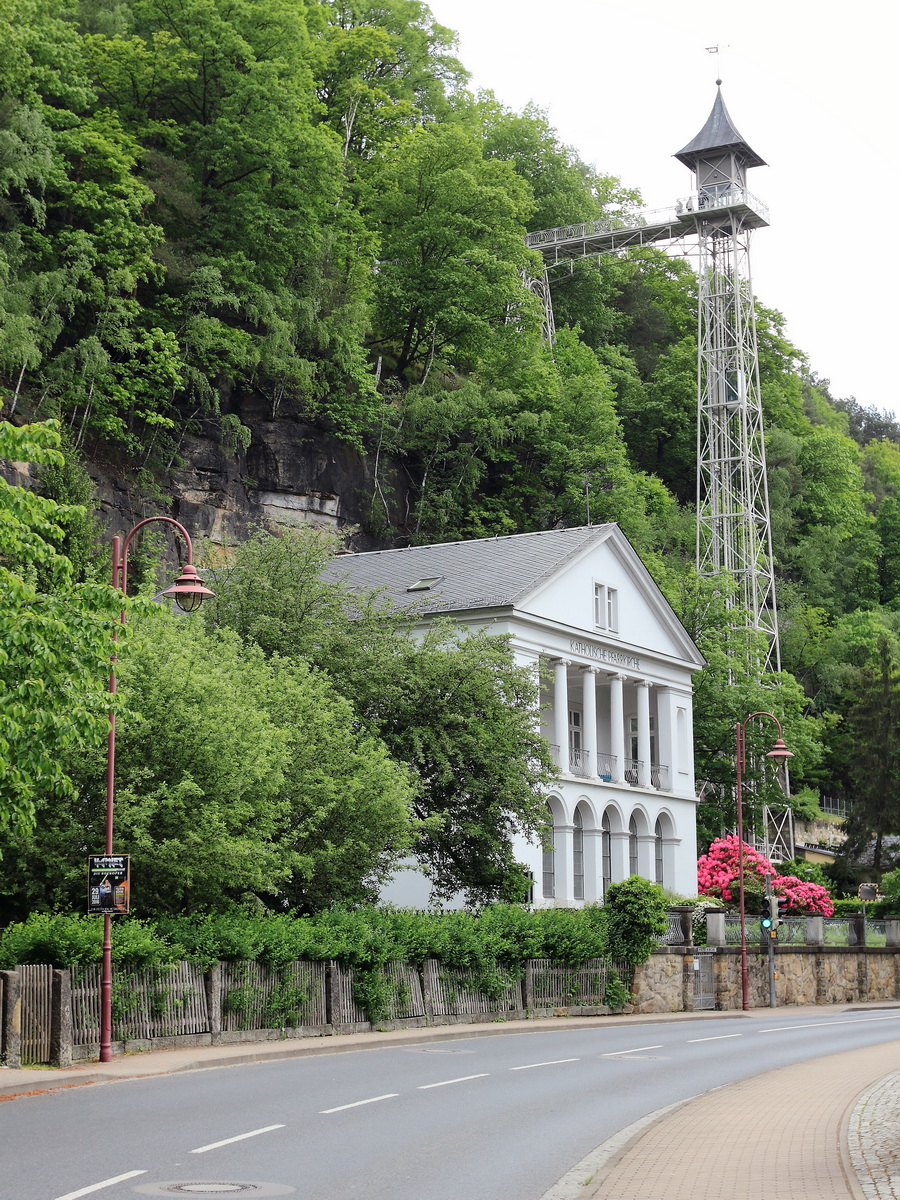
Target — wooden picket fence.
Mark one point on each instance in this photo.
(37, 1009)
(235, 999)
(257, 997)
(156, 1003)
(554, 985)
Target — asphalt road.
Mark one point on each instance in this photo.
(490, 1118)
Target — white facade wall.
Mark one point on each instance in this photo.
(616, 707)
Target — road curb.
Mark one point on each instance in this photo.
(51, 1080)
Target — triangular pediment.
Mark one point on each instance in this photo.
(645, 620)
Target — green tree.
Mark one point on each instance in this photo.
(455, 711)
(237, 775)
(55, 639)
(871, 735)
(452, 250)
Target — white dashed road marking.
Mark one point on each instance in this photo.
(95, 1187)
(635, 1050)
(423, 1087)
(718, 1038)
(553, 1062)
(357, 1103)
(239, 1138)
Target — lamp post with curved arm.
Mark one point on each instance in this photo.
(779, 754)
(188, 593)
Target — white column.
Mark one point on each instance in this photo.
(564, 866)
(531, 660)
(592, 865)
(589, 718)
(617, 724)
(561, 711)
(647, 856)
(618, 845)
(643, 724)
(666, 744)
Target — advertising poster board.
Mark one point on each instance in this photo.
(109, 884)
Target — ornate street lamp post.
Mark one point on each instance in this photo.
(188, 593)
(779, 753)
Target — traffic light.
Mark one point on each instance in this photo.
(769, 929)
(774, 919)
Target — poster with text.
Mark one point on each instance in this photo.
(109, 884)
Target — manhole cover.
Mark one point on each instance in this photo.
(210, 1189)
(214, 1187)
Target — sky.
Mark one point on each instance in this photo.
(811, 86)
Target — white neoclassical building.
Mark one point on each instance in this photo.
(580, 607)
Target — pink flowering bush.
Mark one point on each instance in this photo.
(717, 870)
(799, 896)
(718, 873)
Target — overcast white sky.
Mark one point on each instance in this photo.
(811, 85)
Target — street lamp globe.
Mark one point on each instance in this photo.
(779, 752)
(188, 591)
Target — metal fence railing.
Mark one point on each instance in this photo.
(838, 931)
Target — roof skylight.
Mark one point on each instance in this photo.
(425, 585)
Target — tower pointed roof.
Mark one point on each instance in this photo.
(718, 133)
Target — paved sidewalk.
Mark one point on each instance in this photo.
(820, 1130)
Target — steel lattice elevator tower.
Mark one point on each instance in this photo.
(715, 222)
(733, 523)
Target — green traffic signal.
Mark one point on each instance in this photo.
(766, 922)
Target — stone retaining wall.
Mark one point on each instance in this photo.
(804, 975)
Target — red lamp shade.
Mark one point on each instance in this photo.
(188, 591)
(779, 751)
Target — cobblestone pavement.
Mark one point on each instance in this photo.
(805, 1132)
(873, 1139)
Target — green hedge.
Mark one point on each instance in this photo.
(503, 934)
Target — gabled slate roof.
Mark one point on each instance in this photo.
(719, 133)
(487, 573)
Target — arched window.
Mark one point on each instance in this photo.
(550, 863)
(578, 856)
(658, 847)
(606, 852)
(632, 847)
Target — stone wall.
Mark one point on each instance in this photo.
(804, 975)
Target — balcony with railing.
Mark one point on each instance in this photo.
(580, 761)
(738, 199)
(659, 777)
(606, 767)
(633, 770)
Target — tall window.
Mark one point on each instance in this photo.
(606, 852)
(633, 727)
(606, 607)
(549, 888)
(632, 847)
(658, 834)
(578, 856)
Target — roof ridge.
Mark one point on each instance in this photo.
(502, 537)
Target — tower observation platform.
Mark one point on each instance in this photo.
(710, 207)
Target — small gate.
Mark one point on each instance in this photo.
(704, 978)
(37, 1005)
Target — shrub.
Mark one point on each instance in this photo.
(634, 917)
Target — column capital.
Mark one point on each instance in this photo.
(589, 669)
(617, 675)
(559, 661)
(645, 683)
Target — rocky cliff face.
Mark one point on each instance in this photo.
(292, 473)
